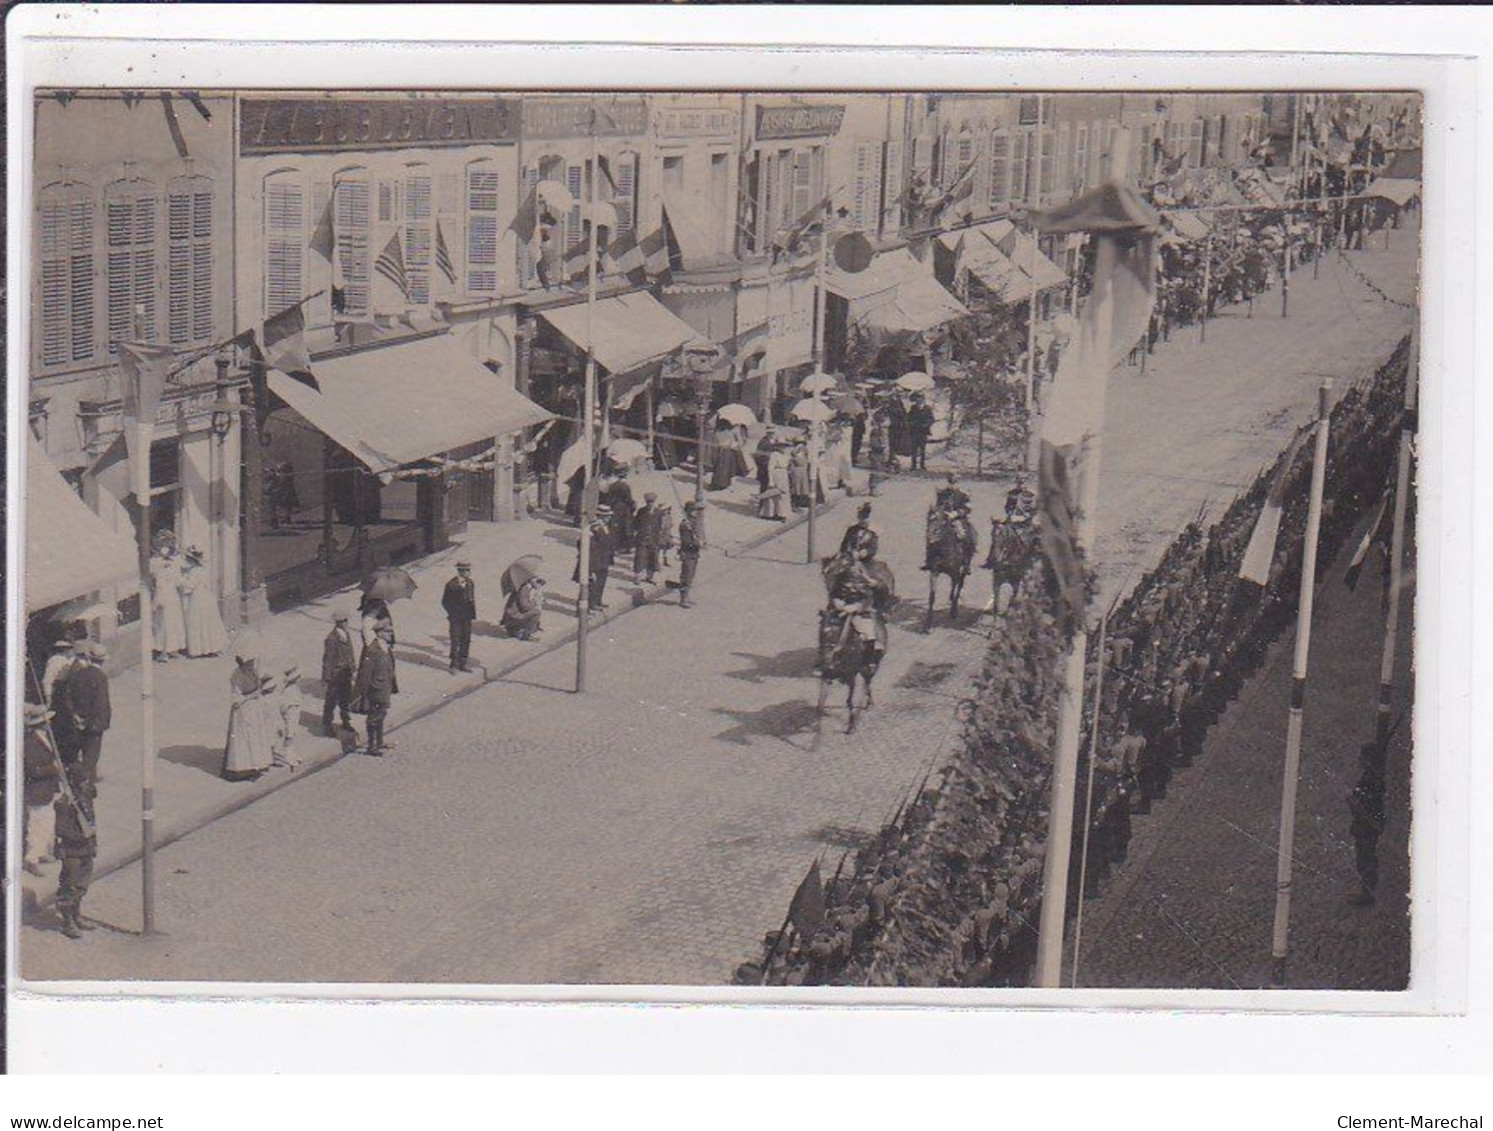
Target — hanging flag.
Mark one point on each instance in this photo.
(389, 266)
(324, 238)
(1260, 552)
(1380, 530)
(284, 345)
(802, 228)
(627, 254)
(661, 253)
(606, 177)
(443, 255)
(1115, 316)
(962, 188)
(526, 220)
(806, 912)
(174, 126)
(142, 371)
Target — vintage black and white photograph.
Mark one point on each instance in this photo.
(743, 539)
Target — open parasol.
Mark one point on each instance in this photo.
(812, 410)
(915, 382)
(737, 414)
(523, 569)
(847, 405)
(388, 583)
(626, 450)
(816, 383)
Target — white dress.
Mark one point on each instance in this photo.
(168, 620)
(206, 635)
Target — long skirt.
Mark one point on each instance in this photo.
(206, 635)
(725, 468)
(169, 622)
(251, 738)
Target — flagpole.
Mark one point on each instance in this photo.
(588, 413)
(1058, 854)
(1295, 714)
(814, 425)
(1207, 285)
(1397, 548)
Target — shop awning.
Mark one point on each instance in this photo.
(400, 403)
(1022, 250)
(1188, 225)
(887, 271)
(1398, 191)
(918, 304)
(70, 550)
(993, 231)
(631, 330)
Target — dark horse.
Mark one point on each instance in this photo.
(951, 550)
(845, 651)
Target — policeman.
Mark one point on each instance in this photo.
(690, 544)
(460, 602)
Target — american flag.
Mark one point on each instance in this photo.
(390, 264)
(443, 255)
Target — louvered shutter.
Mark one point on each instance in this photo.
(768, 206)
(284, 244)
(350, 218)
(966, 154)
(417, 237)
(575, 181)
(861, 185)
(625, 174)
(130, 212)
(891, 187)
(528, 275)
(179, 267)
(1019, 170)
(803, 182)
(482, 229)
(81, 288)
(922, 155)
(998, 170)
(202, 264)
(1080, 159)
(57, 253)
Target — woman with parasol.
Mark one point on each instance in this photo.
(524, 590)
(387, 583)
(249, 751)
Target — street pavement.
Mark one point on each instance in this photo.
(653, 829)
(1193, 905)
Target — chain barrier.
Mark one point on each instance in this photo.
(1373, 286)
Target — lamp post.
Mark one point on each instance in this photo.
(225, 409)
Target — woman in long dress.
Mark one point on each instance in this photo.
(205, 633)
(168, 620)
(727, 457)
(525, 607)
(250, 748)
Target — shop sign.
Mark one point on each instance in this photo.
(694, 123)
(301, 125)
(782, 122)
(571, 117)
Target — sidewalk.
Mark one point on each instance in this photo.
(191, 696)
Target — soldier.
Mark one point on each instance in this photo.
(1011, 543)
(460, 602)
(338, 667)
(77, 845)
(376, 686)
(646, 539)
(690, 544)
(861, 541)
(1019, 497)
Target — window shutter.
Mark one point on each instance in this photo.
(81, 269)
(284, 244)
(803, 180)
(998, 170)
(179, 267)
(575, 180)
(482, 229)
(350, 219)
(767, 212)
(861, 184)
(966, 155)
(417, 237)
(922, 155)
(55, 292)
(528, 275)
(891, 186)
(202, 264)
(625, 174)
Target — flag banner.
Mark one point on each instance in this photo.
(443, 261)
(389, 266)
(1260, 552)
(1380, 530)
(324, 238)
(802, 228)
(174, 126)
(627, 254)
(806, 912)
(1117, 313)
(576, 259)
(962, 188)
(142, 370)
(526, 220)
(661, 252)
(608, 182)
(284, 345)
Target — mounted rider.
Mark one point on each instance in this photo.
(950, 509)
(1013, 540)
(862, 541)
(861, 591)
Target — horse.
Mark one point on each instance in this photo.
(949, 553)
(847, 654)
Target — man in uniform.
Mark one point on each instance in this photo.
(83, 701)
(602, 550)
(460, 602)
(338, 667)
(950, 508)
(861, 540)
(1012, 541)
(690, 544)
(646, 539)
(376, 686)
(1020, 497)
(858, 602)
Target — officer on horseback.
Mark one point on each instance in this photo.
(859, 598)
(862, 542)
(950, 509)
(1020, 498)
(1012, 541)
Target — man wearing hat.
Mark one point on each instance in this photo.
(62, 660)
(42, 773)
(77, 845)
(690, 544)
(337, 669)
(460, 602)
(376, 686)
(1020, 497)
(83, 701)
(602, 550)
(919, 428)
(647, 535)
